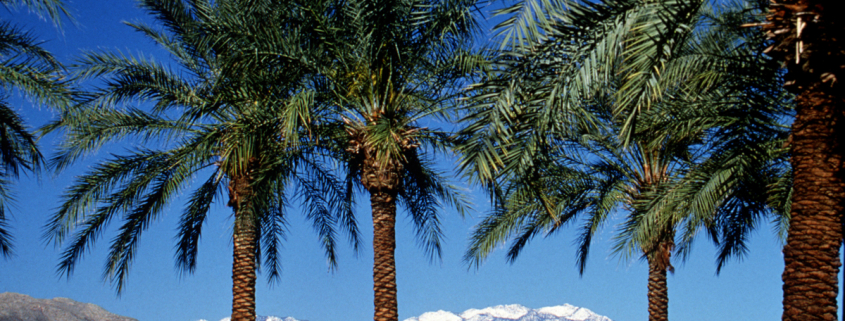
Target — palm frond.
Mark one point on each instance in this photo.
(122, 251)
(6, 238)
(192, 221)
(422, 187)
(53, 9)
(273, 232)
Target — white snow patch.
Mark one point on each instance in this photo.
(582, 314)
(565, 310)
(512, 311)
(439, 316)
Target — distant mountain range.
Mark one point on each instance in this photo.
(21, 307)
(513, 312)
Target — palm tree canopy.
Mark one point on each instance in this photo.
(551, 133)
(234, 102)
(397, 65)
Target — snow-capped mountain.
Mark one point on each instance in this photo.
(515, 312)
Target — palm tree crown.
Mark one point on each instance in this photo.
(232, 109)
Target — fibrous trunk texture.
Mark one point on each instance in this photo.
(808, 35)
(658, 292)
(811, 254)
(382, 180)
(244, 264)
(384, 246)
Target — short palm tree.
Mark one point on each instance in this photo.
(807, 37)
(552, 132)
(35, 72)
(231, 108)
(394, 68)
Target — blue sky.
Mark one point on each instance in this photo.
(544, 275)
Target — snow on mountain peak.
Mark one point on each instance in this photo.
(512, 311)
(515, 312)
(560, 310)
(568, 311)
(439, 316)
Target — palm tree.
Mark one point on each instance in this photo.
(551, 134)
(233, 108)
(394, 67)
(35, 72)
(807, 39)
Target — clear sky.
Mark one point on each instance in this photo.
(544, 275)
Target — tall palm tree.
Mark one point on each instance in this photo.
(233, 108)
(551, 136)
(395, 70)
(807, 38)
(35, 72)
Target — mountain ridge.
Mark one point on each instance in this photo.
(515, 312)
(511, 312)
(19, 307)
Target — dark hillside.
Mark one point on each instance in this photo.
(20, 307)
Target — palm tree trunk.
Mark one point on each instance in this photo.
(807, 36)
(384, 246)
(811, 254)
(245, 244)
(658, 291)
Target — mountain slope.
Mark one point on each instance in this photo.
(21, 307)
